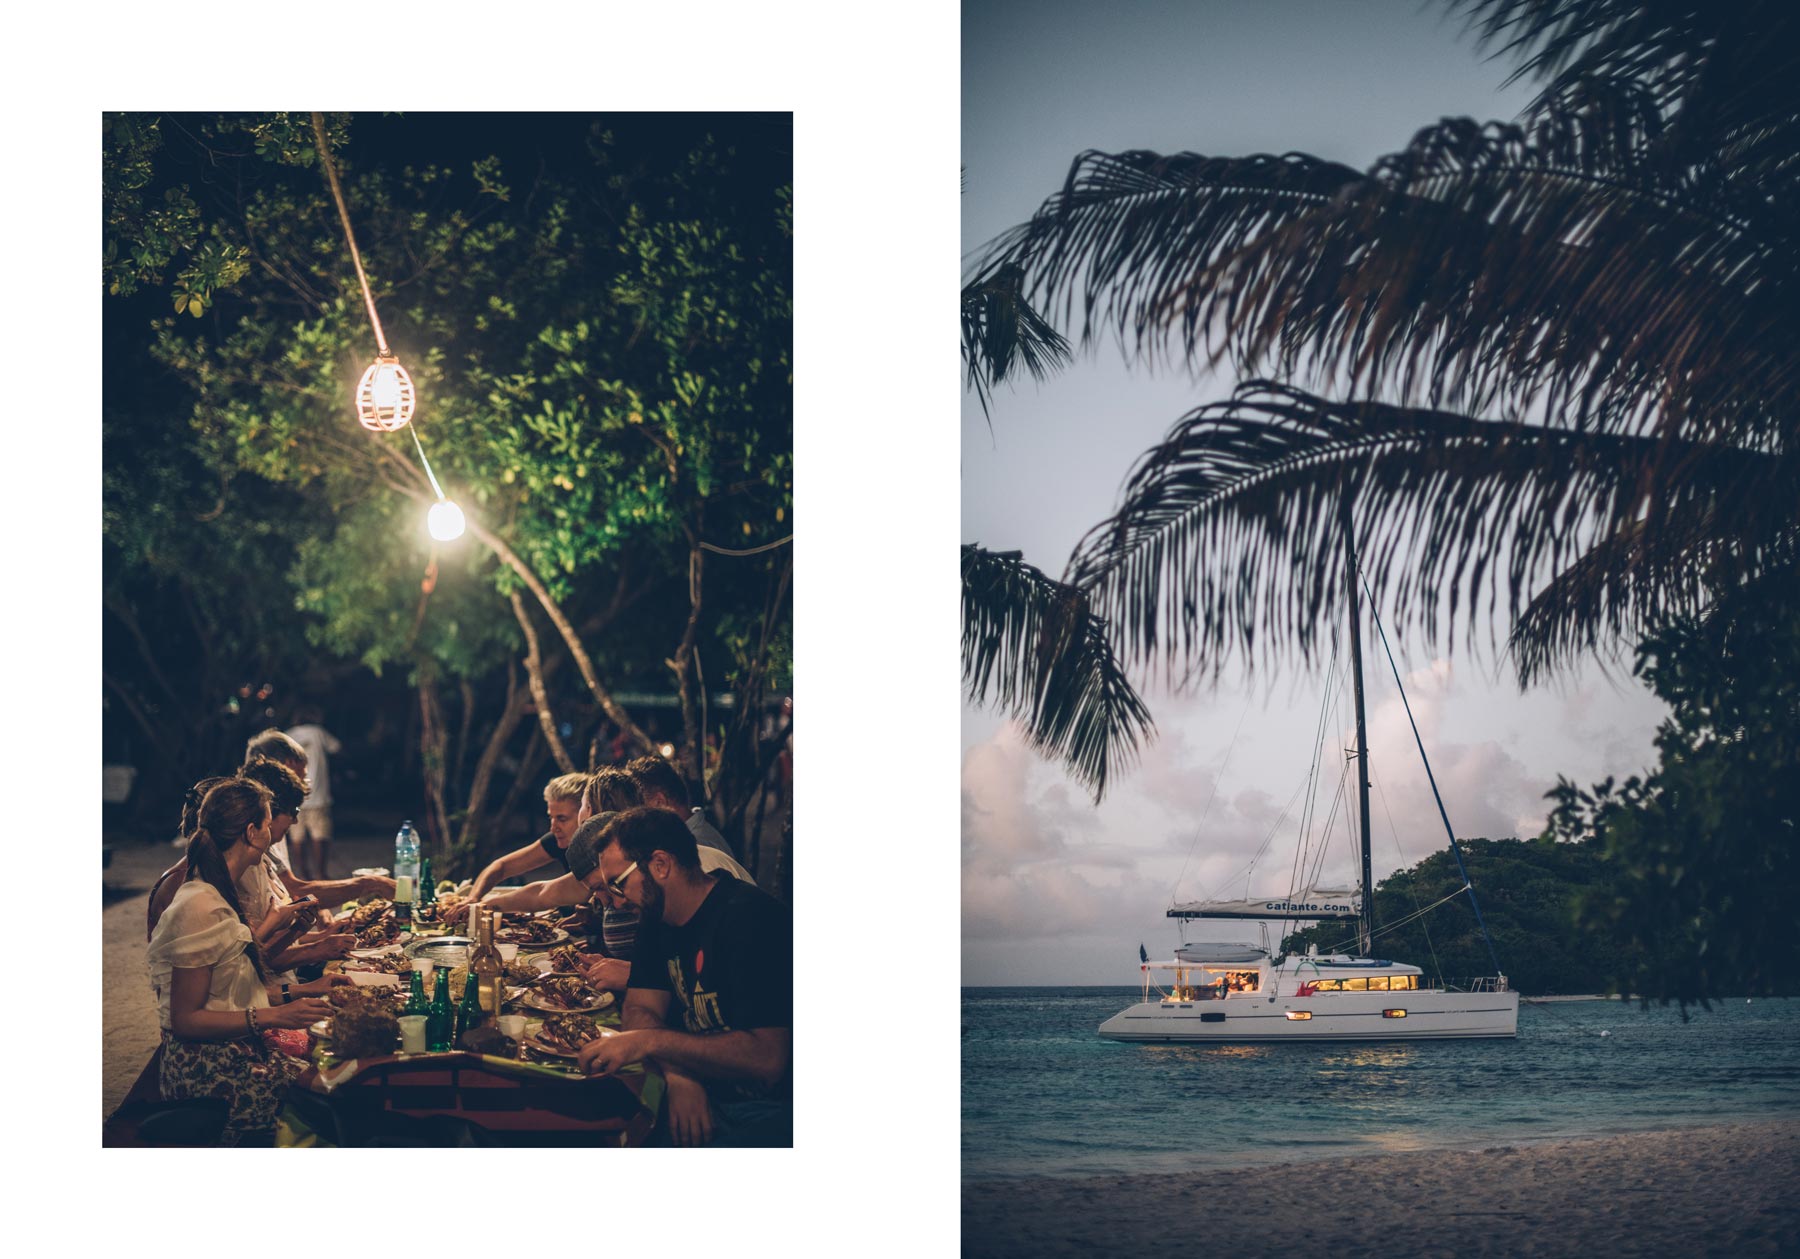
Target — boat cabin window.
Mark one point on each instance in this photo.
(1369, 983)
(1208, 985)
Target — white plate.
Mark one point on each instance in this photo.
(366, 871)
(373, 979)
(366, 954)
(531, 999)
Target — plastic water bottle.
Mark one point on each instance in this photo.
(406, 873)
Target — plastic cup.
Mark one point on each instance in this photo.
(412, 1033)
(512, 1026)
(507, 951)
(424, 966)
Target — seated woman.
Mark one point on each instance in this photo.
(282, 886)
(277, 918)
(211, 983)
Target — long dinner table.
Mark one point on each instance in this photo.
(526, 1095)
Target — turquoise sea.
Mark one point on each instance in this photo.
(1042, 1095)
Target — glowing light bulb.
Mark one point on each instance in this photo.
(445, 521)
(668, 750)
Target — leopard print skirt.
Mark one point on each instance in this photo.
(246, 1073)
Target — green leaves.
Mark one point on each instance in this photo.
(1706, 870)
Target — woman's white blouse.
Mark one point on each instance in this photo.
(260, 890)
(200, 930)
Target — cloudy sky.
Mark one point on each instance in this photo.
(1056, 891)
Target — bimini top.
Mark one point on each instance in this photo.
(1209, 951)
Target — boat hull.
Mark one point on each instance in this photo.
(1335, 1016)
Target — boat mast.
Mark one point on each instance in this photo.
(1367, 921)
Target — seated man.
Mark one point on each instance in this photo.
(660, 786)
(618, 923)
(711, 994)
(562, 802)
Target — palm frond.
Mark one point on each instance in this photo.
(1228, 532)
(1482, 267)
(1002, 333)
(1032, 649)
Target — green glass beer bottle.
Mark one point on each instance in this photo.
(441, 1018)
(469, 1014)
(425, 912)
(415, 997)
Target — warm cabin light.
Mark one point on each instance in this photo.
(1393, 1014)
(385, 397)
(445, 521)
(1299, 1016)
(668, 751)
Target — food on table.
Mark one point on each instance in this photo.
(531, 931)
(571, 992)
(520, 971)
(365, 1025)
(368, 913)
(448, 901)
(565, 957)
(567, 1032)
(485, 1038)
(381, 934)
(386, 964)
(379, 994)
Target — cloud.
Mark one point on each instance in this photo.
(1035, 857)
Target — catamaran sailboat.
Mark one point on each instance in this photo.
(1238, 992)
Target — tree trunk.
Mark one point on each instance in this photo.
(518, 706)
(529, 768)
(690, 756)
(553, 610)
(534, 670)
(431, 754)
(467, 690)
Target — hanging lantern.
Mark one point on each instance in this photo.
(445, 521)
(385, 397)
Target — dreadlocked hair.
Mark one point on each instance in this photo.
(228, 809)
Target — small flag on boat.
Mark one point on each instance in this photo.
(1143, 956)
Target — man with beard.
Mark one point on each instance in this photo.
(661, 786)
(711, 993)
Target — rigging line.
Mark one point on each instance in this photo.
(1455, 848)
(1411, 889)
(1306, 823)
(1200, 829)
(337, 192)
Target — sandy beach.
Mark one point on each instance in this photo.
(1726, 1190)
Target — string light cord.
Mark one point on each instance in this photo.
(436, 488)
(337, 193)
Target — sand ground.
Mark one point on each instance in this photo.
(1725, 1191)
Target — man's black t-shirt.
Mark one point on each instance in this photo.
(554, 851)
(729, 968)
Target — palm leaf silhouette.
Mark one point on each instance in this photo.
(1032, 648)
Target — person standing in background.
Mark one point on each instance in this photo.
(311, 832)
